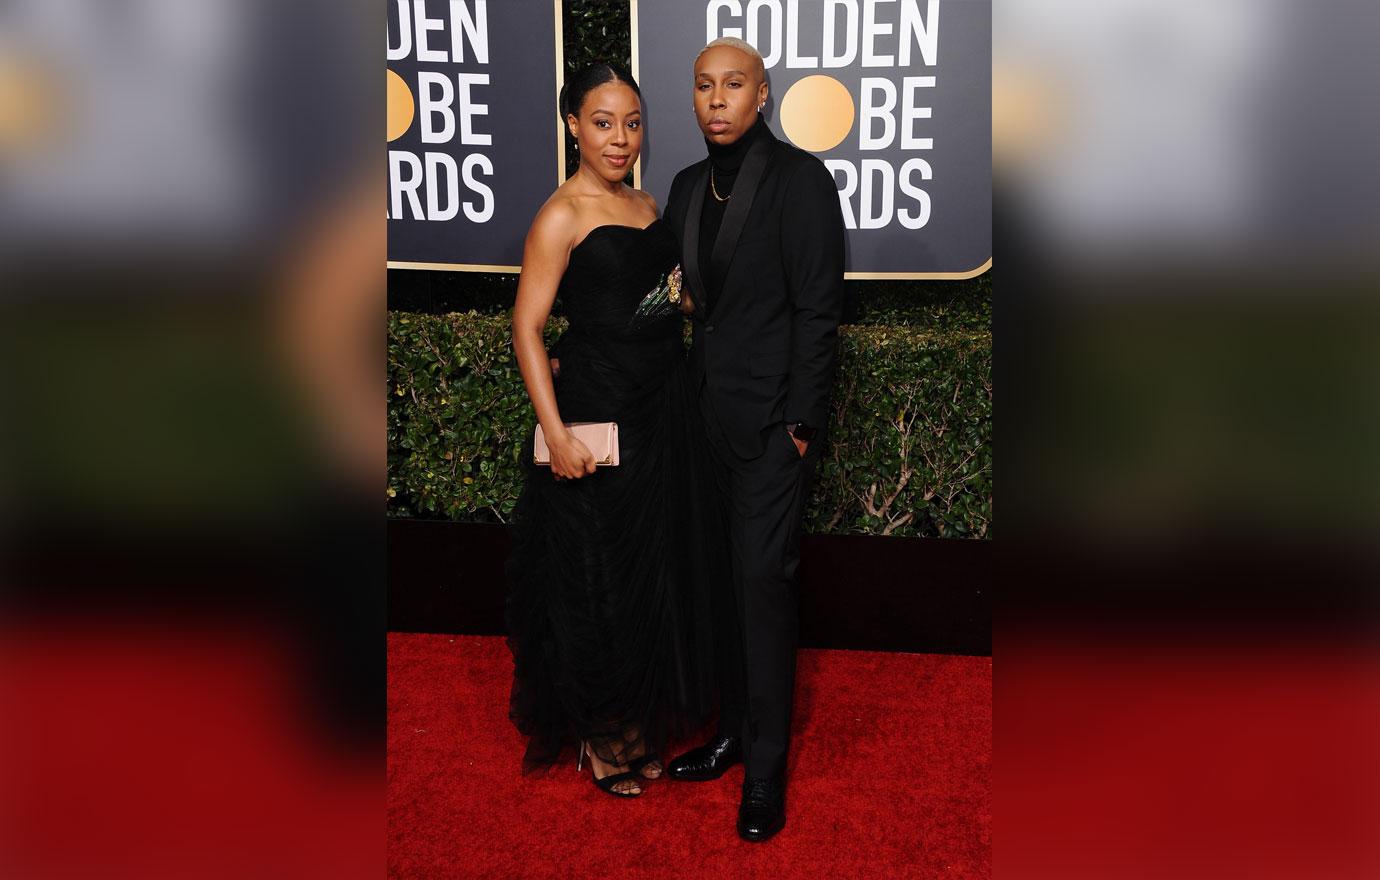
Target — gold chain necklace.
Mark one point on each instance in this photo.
(714, 190)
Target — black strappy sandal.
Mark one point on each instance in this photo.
(608, 782)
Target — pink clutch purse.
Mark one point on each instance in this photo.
(600, 437)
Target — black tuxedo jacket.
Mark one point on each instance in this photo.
(765, 344)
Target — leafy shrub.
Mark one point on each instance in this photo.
(909, 449)
(910, 435)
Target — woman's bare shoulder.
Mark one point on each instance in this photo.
(647, 199)
(557, 219)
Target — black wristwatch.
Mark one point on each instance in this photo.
(801, 431)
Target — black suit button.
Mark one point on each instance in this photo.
(708, 328)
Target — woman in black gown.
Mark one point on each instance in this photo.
(608, 615)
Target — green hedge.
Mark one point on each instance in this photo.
(909, 454)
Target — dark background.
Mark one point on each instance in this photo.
(919, 594)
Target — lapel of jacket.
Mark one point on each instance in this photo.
(740, 203)
(690, 239)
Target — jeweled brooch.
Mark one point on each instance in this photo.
(673, 285)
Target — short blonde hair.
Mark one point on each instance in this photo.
(742, 46)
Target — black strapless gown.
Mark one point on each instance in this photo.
(609, 609)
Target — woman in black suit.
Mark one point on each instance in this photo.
(762, 247)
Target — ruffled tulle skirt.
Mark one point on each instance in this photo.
(608, 612)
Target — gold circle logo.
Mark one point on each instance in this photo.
(817, 113)
(401, 107)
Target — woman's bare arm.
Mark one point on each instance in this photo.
(544, 259)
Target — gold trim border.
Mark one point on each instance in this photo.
(557, 26)
(918, 276)
(848, 276)
(455, 267)
(558, 29)
(637, 75)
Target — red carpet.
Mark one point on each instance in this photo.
(890, 777)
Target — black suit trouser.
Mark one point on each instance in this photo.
(764, 502)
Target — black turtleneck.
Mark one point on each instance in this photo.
(724, 162)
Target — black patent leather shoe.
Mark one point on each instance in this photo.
(709, 761)
(762, 811)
